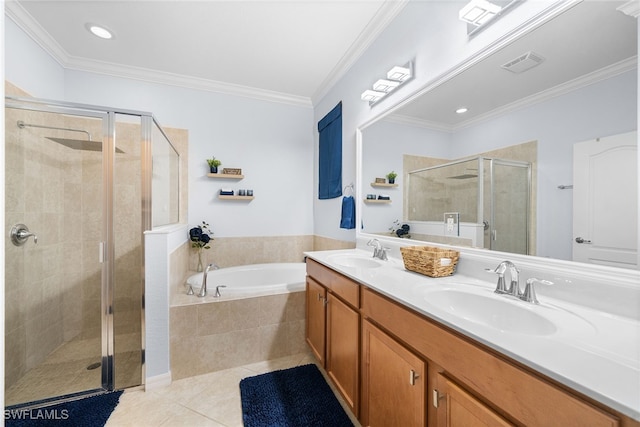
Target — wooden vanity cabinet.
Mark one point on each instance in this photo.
(333, 328)
(393, 382)
(458, 408)
(415, 371)
(316, 318)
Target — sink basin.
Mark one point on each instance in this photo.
(354, 261)
(492, 310)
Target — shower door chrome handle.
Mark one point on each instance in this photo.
(20, 234)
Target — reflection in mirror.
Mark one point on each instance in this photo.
(489, 199)
(574, 95)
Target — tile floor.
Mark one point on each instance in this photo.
(205, 400)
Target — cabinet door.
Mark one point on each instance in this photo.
(457, 408)
(315, 328)
(393, 382)
(343, 326)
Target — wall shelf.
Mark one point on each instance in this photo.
(246, 198)
(380, 184)
(224, 175)
(376, 201)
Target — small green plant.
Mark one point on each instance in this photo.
(392, 175)
(213, 162)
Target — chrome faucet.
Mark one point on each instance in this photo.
(203, 289)
(529, 294)
(514, 285)
(378, 251)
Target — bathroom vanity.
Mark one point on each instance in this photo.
(400, 357)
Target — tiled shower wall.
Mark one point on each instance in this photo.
(56, 192)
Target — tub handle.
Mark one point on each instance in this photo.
(217, 294)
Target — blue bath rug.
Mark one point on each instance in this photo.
(91, 411)
(293, 397)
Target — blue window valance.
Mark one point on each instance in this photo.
(330, 159)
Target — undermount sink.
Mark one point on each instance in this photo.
(492, 310)
(354, 261)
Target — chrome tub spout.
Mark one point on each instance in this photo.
(203, 289)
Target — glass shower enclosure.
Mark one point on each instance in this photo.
(493, 194)
(80, 190)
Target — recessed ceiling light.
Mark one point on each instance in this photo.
(462, 110)
(99, 31)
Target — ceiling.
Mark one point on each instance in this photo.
(588, 42)
(287, 50)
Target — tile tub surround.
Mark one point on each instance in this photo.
(232, 251)
(208, 337)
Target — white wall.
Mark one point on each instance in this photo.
(29, 67)
(430, 34)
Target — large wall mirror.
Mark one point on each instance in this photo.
(501, 176)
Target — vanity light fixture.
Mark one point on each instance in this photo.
(99, 31)
(372, 95)
(396, 77)
(385, 86)
(478, 12)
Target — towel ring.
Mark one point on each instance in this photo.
(348, 187)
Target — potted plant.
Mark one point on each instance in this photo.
(213, 164)
(391, 176)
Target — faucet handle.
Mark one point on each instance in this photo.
(501, 288)
(529, 294)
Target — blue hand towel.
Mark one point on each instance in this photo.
(348, 219)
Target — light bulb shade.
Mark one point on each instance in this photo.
(477, 12)
(384, 85)
(372, 95)
(400, 74)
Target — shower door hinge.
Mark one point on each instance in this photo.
(101, 252)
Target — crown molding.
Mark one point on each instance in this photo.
(631, 8)
(387, 13)
(416, 122)
(33, 29)
(562, 89)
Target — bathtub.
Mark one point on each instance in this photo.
(251, 280)
(259, 316)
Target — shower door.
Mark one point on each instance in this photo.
(510, 184)
(73, 288)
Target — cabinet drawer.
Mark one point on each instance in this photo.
(524, 396)
(340, 285)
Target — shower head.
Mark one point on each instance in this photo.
(463, 176)
(81, 144)
(76, 144)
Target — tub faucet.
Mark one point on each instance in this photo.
(203, 289)
(514, 285)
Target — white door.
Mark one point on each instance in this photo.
(605, 201)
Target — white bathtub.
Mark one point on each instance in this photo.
(252, 280)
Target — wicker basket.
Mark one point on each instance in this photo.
(429, 260)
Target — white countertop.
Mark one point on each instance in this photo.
(593, 352)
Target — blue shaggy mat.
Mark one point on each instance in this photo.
(91, 411)
(293, 397)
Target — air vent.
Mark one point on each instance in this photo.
(523, 62)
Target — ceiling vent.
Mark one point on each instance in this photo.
(523, 62)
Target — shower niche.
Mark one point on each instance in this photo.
(88, 182)
(492, 197)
